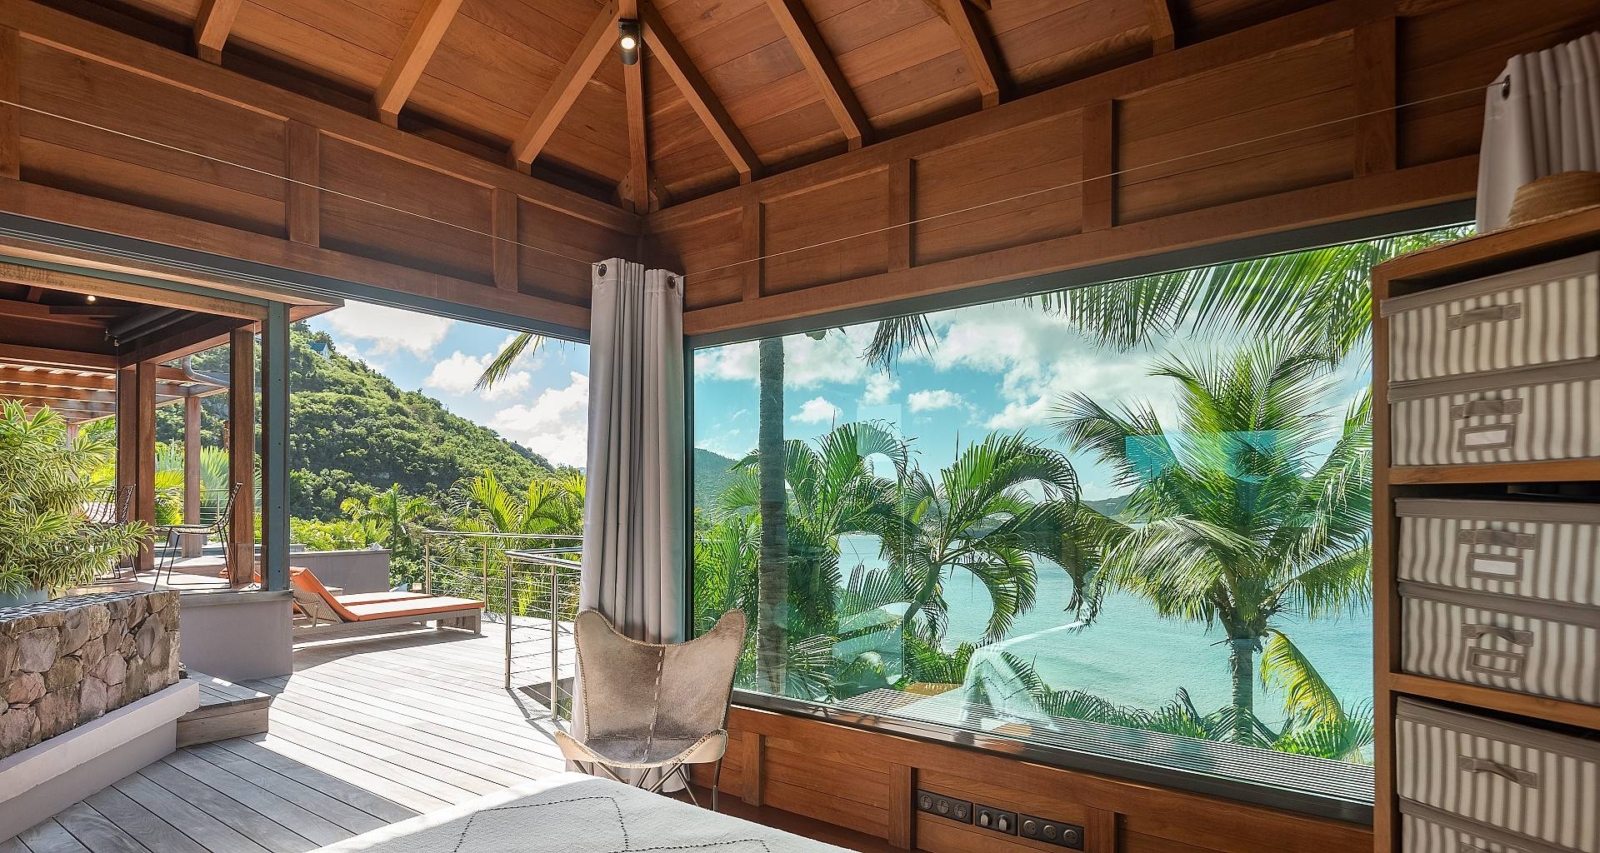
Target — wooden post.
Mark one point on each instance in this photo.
(902, 806)
(750, 761)
(1099, 161)
(241, 454)
(191, 473)
(144, 451)
(275, 447)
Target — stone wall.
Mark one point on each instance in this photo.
(68, 661)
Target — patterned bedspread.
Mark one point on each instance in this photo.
(573, 813)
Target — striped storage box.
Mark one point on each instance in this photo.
(1493, 783)
(1544, 550)
(1425, 830)
(1525, 416)
(1518, 644)
(1543, 315)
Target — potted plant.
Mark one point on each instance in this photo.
(47, 541)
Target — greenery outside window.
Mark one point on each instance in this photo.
(1129, 520)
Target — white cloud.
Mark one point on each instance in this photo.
(807, 362)
(459, 374)
(880, 386)
(386, 329)
(931, 400)
(817, 410)
(555, 426)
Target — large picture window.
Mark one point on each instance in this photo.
(1129, 520)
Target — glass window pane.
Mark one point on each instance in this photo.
(1131, 519)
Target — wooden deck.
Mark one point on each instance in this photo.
(366, 732)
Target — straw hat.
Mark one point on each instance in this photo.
(1553, 195)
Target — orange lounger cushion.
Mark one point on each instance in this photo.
(375, 597)
(428, 605)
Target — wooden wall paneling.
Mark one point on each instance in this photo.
(793, 224)
(10, 116)
(1008, 189)
(427, 30)
(211, 26)
(596, 45)
(503, 225)
(302, 202)
(554, 257)
(1099, 165)
(423, 218)
(696, 248)
(819, 62)
(1377, 145)
(1110, 806)
(1238, 133)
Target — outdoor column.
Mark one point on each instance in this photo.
(191, 474)
(275, 447)
(136, 445)
(241, 454)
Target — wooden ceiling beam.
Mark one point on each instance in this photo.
(971, 32)
(698, 93)
(211, 28)
(1163, 37)
(599, 40)
(406, 68)
(802, 34)
(638, 181)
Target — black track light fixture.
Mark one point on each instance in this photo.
(628, 40)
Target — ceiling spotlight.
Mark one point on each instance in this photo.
(89, 298)
(628, 40)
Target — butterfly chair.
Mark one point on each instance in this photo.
(651, 707)
(218, 529)
(115, 506)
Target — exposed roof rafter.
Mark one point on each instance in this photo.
(1162, 35)
(971, 32)
(406, 69)
(819, 63)
(698, 93)
(598, 41)
(211, 27)
(638, 182)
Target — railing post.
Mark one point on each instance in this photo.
(555, 645)
(486, 575)
(427, 564)
(508, 564)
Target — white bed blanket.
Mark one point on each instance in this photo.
(573, 813)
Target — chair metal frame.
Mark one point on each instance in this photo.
(220, 526)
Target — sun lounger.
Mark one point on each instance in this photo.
(323, 611)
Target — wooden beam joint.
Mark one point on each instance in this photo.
(211, 28)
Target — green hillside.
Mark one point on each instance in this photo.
(353, 432)
(712, 475)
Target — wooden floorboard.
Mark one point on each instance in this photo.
(368, 731)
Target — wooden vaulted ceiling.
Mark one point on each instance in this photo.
(727, 90)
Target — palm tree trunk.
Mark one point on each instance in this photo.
(773, 591)
(1244, 688)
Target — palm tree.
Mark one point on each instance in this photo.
(978, 515)
(1241, 517)
(547, 506)
(394, 519)
(1321, 297)
(499, 367)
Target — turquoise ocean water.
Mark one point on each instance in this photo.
(1131, 656)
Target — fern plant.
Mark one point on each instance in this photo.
(47, 542)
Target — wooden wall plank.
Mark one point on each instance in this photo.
(902, 806)
(302, 203)
(751, 766)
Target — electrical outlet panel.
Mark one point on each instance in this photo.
(940, 805)
(1056, 832)
(999, 820)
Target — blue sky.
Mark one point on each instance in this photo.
(543, 404)
(995, 367)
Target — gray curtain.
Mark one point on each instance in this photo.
(633, 523)
(1547, 120)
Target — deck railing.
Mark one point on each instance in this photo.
(528, 583)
